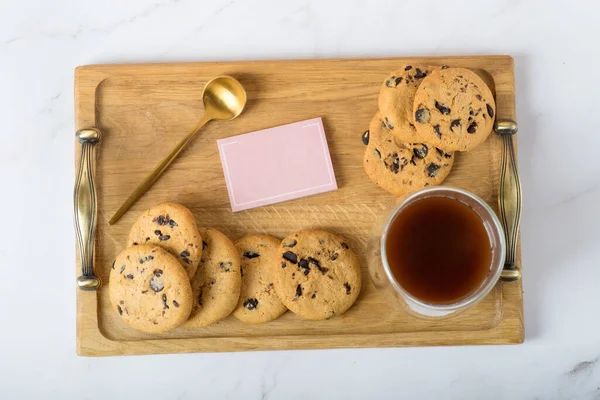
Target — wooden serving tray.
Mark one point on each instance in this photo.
(144, 110)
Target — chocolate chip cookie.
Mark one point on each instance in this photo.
(454, 109)
(401, 168)
(150, 289)
(317, 275)
(217, 284)
(172, 227)
(396, 100)
(258, 301)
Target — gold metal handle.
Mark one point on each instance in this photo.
(157, 172)
(85, 208)
(509, 199)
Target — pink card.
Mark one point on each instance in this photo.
(276, 164)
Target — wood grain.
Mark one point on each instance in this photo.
(143, 111)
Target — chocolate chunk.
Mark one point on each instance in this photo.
(388, 124)
(158, 233)
(408, 68)
(160, 220)
(490, 110)
(445, 67)
(200, 297)
(442, 108)
(448, 155)
(298, 291)
(129, 276)
(283, 265)
(315, 262)
(436, 128)
(365, 137)
(347, 286)
(422, 115)
(251, 304)
(395, 166)
(164, 300)
(135, 243)
(344, 245)
(412, 160)
(383, 124)
(148, 258)
(156, 284)
(172, 223)
(378, 153)
(144, 291)
(440, 151)
(291, 244)
(158, 272)
(122, 269)
(251, 254)
(393, 82)
(472, 128)
(454, 124)
(141, 260)
(148, 238)
(420, 74)
(303, 264)
(225, 265)
(204, 245)
(291, 257)
(162, 238)
(432, 170)
(175, 303)
(120, 310)
(334, 256)
(185, 256)
(420, 151)
(478, 97)
(313, 295)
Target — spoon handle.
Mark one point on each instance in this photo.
(509, 199)
(85, 209)
(157, 171)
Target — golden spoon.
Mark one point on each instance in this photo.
(224, 98)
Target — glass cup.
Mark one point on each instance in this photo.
(386, 283)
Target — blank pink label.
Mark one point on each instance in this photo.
(276, 164)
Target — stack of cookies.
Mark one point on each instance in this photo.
(426, 114)
(172, 272)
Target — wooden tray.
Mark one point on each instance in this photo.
(143, 111)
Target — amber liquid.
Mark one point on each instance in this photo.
(438, 250)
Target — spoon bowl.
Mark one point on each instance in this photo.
(224, 98)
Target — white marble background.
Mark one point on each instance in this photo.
(555, 45)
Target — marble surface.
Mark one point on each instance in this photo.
(556, 57)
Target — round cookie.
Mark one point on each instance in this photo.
(396, 99)
(258, 301)
(454, 109)
(316, 275)
(172, 227)
(402, 168)
(150, 289)
(217, 283)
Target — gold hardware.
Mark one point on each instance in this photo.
(509, 198)
(85, 208)
(224, 99)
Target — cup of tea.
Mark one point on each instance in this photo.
(438, 252)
